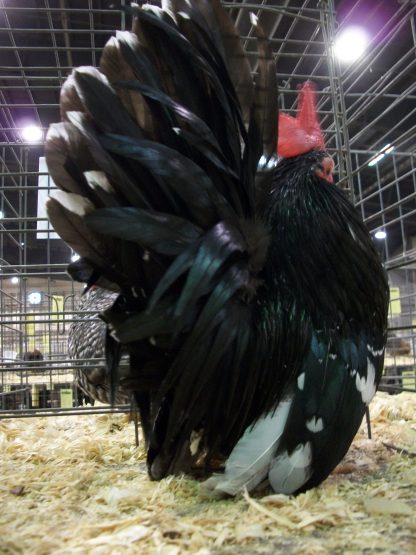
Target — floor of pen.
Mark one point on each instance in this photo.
(78, 484)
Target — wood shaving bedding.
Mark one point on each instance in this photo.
(78, 485)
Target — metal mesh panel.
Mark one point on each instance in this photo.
(363, 107)
(379, 96)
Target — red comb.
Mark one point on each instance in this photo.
(303, 133)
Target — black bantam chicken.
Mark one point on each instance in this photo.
(253, 305)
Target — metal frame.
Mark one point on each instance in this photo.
(361, 111)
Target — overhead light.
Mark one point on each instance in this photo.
(32, 134)
(387, 149)
(1, 214)
(75, 257)
(351, 44)
(15, 280)
(376, 160)
(380, 234)
(35, 297)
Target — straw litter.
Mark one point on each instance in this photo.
(78, 485)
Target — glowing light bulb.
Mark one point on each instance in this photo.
(32, 134)
(351, 44)
(380, 234)
(15, 280)
(387, 149)
(376, 160)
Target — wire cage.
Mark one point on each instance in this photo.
(367, 112)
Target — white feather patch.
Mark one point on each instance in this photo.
(301, 381)
(194, 442)
(249, 461)
(74, 203)
(290, 472)
(315, 424)
(375, 352)
(98, 179)
(367, 385)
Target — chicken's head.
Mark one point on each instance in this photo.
(303, 134)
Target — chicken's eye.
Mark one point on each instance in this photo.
(324, 169)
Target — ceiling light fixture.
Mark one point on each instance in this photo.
(15, 280)
(351, 44)
(32, 134)
(387, 149)
(380, 234)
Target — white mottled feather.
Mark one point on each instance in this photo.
(76, 204)
(366, 385)
(249, 462)
(98, 179)
(301, 381)
(288, 473)
(315, 424)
